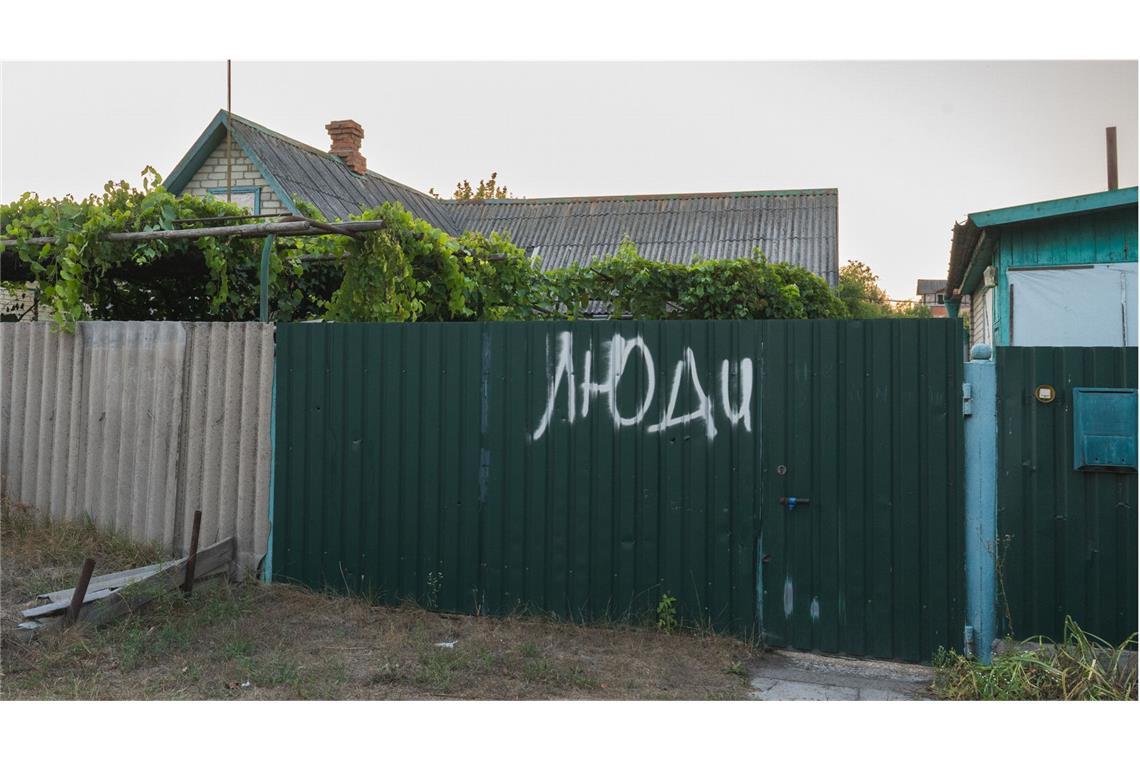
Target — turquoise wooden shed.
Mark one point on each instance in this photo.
(1055, 273)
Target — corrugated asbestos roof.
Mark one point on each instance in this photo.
(798, 226)
(325, 181)
(795, 226)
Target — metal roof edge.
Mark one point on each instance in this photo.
(184, 171)
(980, 257)
(270, 179)
(1076, 204)
(284, 138)
(963, 241)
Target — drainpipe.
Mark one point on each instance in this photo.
(979, 407)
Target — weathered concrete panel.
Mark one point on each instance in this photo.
(137, 424)
(226, 446)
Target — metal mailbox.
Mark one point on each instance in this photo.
(1104, 429)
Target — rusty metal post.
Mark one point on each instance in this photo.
(1110, 155)
(80, 591)
(188, 584)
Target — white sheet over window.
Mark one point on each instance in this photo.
(1076, 306)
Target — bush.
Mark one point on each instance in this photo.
(748, 288)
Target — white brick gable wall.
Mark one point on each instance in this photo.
(212, 174)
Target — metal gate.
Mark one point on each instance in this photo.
(592, 469)
(862, 426)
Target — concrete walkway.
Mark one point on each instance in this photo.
(787, 675)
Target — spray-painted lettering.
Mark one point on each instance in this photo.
(621, 356)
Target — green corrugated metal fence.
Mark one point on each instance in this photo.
(1069, 537)
(589, 468)
(866, 418)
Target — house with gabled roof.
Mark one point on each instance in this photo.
(1059, 272)
(931, 294)
(270, 173)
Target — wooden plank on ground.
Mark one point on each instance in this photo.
(211, 560)
(110, 581)
(57, 606)
(136, 587)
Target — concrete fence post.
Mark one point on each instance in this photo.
(979, 406)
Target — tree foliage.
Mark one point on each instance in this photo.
(405, 271)
(864, 299)
(911, 310)
(860, 292)
(487, 189)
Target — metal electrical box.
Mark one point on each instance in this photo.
(1104, 429)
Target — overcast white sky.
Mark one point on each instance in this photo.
(912, 147)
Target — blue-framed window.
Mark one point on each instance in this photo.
(248, 197)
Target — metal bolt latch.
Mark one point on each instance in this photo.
(792, 502)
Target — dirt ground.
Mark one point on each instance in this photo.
(253, 641)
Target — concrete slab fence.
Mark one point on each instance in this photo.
(138, 424)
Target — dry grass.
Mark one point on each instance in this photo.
(251, 641)
(39, 556)
(1080, 667)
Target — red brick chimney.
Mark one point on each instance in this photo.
(346, 138)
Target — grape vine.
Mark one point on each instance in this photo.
(405, 271)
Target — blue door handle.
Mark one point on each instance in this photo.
(793, 501)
